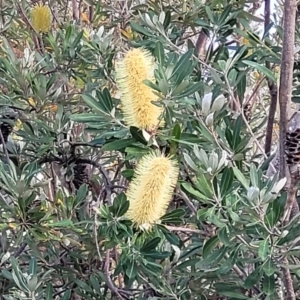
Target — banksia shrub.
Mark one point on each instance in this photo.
(41, 18)
(151, 189)
(137, 98)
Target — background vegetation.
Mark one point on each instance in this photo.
(69, 157)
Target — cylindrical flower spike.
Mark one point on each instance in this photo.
(41, 18)
(136, 99)
(151, 189)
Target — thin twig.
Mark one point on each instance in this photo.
(107, 182)
(110, 284)
(96, 236)
(285, 95)
(20, 249)
(4, 146)
(187, 201)
(185, 229)
(272, 88)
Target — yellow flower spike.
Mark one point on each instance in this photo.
(51, 107)
(256, 75)
(151, 189)
(85, 18)
(245, 41)
(136, 98)
(31, 102)
(18, 125)
(41, 18)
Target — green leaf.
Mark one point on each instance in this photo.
(201, 214)
(174, 217)
(181, 66)
(293, 232)
(49, 292)
(86, 118)
(254, 176)
(188, 263)
(230, 262)
(190, 162)
(197, 194)
(263, 249)
(269, 267)
(95, 283)
(137, 134)
(210, 14)
(233, 295)
(156, 255)
(224, 236)
(67, 295)
(159, 52)
(236, 138)
(240, 177)
(120, 205)
(62, 223)
(107, 100)
(128, 174)
(190, 89)
(33, 266)
(241, 87)
(83, 285)
(253, 278)
(171, 237)
(269, 285)
(212, 259)
(150, 245)
(176, 133)
(180, 88)
(81, 194)
(275, 211)
(261, 68)
(226, 181)
(140, 29)
(224, 15)
(131, 269)
(118, 145)
(150, 268)
(92, 103)
(210, 245)
(77, 40)
(202, 23)
(204, 185)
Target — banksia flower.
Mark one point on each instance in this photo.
(7, 127)
(292, 147)
(41, 18)
(136, 99)
(151, 189)
(80, 175)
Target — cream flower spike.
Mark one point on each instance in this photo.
(41, 18)
(136, 98)
(151, 189)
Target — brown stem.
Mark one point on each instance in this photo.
(288, 282)
(286, 77)
(271, 118)
(285, 95)
(75, 8)
(273, 91)
(110, 284)
(4, 146)
(201, 44)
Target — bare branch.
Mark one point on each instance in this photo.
(286, 77)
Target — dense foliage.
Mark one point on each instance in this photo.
(69, 156)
